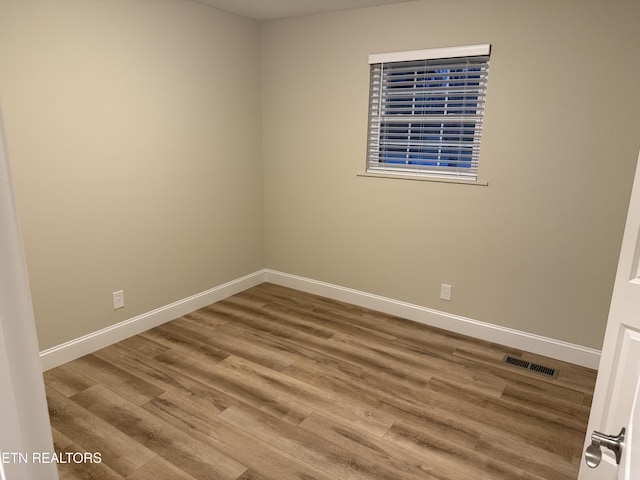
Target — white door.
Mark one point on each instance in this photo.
(617, 393)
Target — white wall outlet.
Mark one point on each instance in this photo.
(118, 299)
(445, 292)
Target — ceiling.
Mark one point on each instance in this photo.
(273, 9)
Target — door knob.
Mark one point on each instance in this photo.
(593, 454)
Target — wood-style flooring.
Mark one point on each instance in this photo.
(276, 384)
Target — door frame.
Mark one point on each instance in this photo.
(23, 406)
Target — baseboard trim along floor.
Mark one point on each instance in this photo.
(549, 347)
(568, 352)
(86, 344)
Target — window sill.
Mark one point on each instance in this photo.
(423, 178)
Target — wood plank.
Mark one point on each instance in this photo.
(159, 469)
(350, 382)
(268, 400)
(515, 421)
(454, 458)
(387, 324)
(212, 315)
(84, 470)
(143, 346)
(247, 313)
(355, 412)
(418, 360)
(258, 455)
(187, 344)
(360, 357)
(351, 319)
(185, 452)
(115, 378)
(268, 355)
(251, 475)
(93, 434)
(526, 457)
(60, 440)
(309, 350)
(312, 449)
(400, 407)
(67, 381)
(334, 320)
(167, 379)
(543, 404)
(400, 462)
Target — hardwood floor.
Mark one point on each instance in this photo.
(276, 384)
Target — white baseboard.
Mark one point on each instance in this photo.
(540, 345)
(568, 352)
(86, 344)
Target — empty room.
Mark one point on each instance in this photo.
(350, 239)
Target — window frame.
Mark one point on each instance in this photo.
(460, 132)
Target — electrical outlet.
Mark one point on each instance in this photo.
(118, 299)
(445, 292)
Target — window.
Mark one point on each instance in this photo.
(425, 112)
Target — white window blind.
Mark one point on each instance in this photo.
(425, 112)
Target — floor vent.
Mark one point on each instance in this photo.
(534, 367)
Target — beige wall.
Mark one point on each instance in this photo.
(536, 250)
(134, 135)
